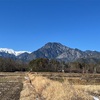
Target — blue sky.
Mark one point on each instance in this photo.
(29, 24)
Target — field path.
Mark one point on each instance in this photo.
(17, 86)
(29, 91)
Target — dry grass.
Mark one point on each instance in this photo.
(27, 92)
(58, 86)
(55, 90)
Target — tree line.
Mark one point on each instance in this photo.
(48, 65)
(9, 65)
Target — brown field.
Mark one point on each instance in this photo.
(11, 85)
(61, 86)
(49, 86)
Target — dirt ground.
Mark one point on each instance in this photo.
(10, 91)
(49, 86)
(11, 85)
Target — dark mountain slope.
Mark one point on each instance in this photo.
(50, 50)
(53, 50)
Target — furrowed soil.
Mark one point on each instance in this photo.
(49, 86)
(11, 85)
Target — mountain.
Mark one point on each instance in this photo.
(49, 50)
(88, 60)
(10, 53)
(23, 56)
(72, 54)
(53, 50)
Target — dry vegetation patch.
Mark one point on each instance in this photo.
(53, 89)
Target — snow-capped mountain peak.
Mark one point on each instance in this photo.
(11, 51)
(6, 50)
(21, 52)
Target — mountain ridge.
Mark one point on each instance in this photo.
(54, 50)
(11, 51)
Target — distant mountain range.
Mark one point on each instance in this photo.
(53, 50)
(11, 51)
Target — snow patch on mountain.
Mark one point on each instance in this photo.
(21, 52)
(11, 51)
